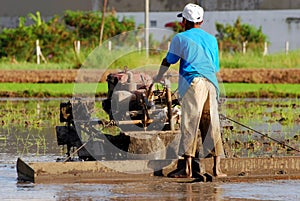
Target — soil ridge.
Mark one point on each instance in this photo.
(226, 75)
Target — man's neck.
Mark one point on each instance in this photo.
(190, 27)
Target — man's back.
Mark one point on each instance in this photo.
(198, 54)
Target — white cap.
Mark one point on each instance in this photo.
(192, 12)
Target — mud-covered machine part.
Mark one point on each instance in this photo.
(132, 104)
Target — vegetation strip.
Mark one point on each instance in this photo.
(243, 90)
(237, 60)
(227, 75)
(232, 90)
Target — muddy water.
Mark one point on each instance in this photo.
(156, 189)
(25, 139)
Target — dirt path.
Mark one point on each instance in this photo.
(68, 76)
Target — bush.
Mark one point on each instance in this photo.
(231, 38)
(56, 37)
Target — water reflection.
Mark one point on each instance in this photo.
(273, 190)
(157, 189)
(148, 190)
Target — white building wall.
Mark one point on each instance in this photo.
(273, 22)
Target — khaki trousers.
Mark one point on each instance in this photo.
(200, 111)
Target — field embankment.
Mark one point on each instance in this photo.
(291, 76)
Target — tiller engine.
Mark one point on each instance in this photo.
(134, 105)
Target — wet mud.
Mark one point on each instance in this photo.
(156, 189)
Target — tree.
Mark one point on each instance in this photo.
(231, 37)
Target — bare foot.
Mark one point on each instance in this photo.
(217, 167)
(181, 174)
(220, 174)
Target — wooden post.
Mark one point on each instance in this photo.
(244, 47)
(147, 27)
(109, 45)
(39, 53)
(77, 46)
(77, 51)
(265, 49)
(102, 22)
(38, 49)
(287, 47)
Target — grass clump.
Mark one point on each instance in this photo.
(136, 59)
(231, 90)
(256, 60)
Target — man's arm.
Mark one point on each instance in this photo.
(162, 70)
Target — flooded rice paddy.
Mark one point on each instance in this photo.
(28, 131)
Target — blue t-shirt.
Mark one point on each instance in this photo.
(198, 53)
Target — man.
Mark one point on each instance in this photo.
(198, 88)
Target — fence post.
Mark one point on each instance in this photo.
(287, 47)
(38, 49)
(39, 53)
(109, 45)
(265, 49)
(77, 46)
(244, 47)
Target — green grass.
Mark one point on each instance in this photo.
(260, 90)
(241, 90)
(255, 60)
(51, 89)
(136, 59)
(34, 66)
